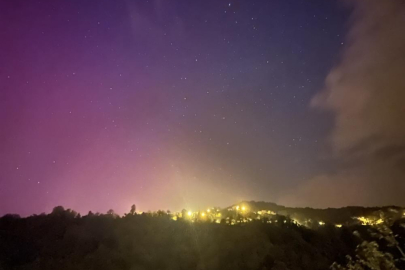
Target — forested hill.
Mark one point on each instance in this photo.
(344, 215)
(240, 237)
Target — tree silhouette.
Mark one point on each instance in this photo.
(133, 209)
(58, 211)
(112, 213)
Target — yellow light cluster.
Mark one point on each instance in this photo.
(296, 222)
(367, 221)
(379, 221)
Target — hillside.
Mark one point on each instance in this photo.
(241, 237)
(344, 215)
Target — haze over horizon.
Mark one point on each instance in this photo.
(191, 104)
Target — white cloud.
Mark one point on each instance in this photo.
(365, 92)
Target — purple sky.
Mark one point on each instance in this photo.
(190, 104)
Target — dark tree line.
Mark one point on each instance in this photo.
(66, 240)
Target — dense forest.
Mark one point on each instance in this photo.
(64, 239)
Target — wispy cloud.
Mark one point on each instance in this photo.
(365, 92)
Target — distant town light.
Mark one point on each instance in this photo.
(321, 223)
(189, 213)
(208, 210)
(243, 208)
(367, 221)
(237, 207)
(202, 214)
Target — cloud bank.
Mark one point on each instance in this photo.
(365, 92)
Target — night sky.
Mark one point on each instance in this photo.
(189, 104)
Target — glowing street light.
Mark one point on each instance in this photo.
(243, 208)
(189, 213)
(202, 214)
(208, 210)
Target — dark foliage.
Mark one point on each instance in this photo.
(62, 240)
(65, 240)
